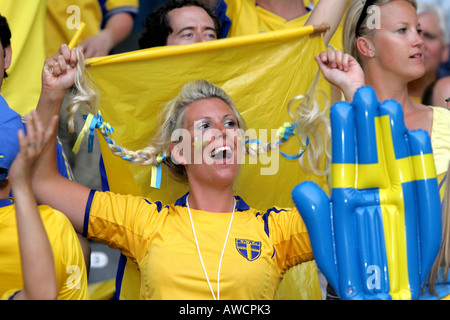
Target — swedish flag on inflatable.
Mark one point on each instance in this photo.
(379, 233)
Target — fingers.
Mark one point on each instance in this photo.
(343, 147)
(23, 142)
(70, 56)
(427, 198)
(65, 60)
(314, 207)
(35, 134)
(372, 156)
(334, 60)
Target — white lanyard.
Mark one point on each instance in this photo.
(221, 256)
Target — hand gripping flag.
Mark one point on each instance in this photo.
(379, 233)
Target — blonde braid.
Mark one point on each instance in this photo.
(85, 96)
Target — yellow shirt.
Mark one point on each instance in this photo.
(62, 16)
(244, 17)
(70, 266)
(261, 246)
(440, 138)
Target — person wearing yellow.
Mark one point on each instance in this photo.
(245, 17)
(69, 265)
(39, 278)
(365, 62)
(108, 23)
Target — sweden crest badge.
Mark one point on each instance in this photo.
(250, 250)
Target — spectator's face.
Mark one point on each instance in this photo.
(435, 51)
(397, 43)
(190, 24)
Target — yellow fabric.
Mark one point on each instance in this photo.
(262, 73)
(248, 18)
(442, 184)
(103, 290)
(440, 138)
(26, 20)
(301, 282)
(8, 294)
(156, 236)
(416, 99)
(70, 266)
(57, 31)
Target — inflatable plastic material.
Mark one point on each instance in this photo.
(379, 233)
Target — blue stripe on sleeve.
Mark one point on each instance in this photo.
(87, 213)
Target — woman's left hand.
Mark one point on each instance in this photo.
(341, 70)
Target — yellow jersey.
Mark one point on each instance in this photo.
(261, 247)
(62, 17)
(70, 266)
(245, 17)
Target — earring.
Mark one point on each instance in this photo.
(372, 54)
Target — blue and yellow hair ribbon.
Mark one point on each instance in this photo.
(92, 122)
(284, 133)
(96, 122)
(157, 172)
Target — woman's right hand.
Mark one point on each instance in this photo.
(59, 70)
(341, 70)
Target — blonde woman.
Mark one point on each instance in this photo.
(209, 244)
(384, 49)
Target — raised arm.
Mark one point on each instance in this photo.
(49, 186)
(38, 269)
(117, 29)
(328, 12)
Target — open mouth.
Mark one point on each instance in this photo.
(417, 56)
(221, 153)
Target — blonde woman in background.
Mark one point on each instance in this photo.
(385, 50)
(387, 57)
